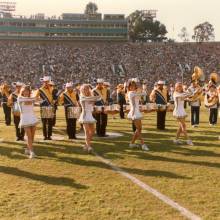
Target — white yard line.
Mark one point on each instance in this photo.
(183, 211)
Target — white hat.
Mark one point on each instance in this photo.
(19, 84)
(107, 84)
(160, 82)
(100, 80)
(68, 85)
(135, 80)
(45, 79)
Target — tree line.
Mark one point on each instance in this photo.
(146, 29)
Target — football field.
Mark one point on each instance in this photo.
(64, 183)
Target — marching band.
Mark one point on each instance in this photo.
(69, 99)
(46, 107)
(91, 106)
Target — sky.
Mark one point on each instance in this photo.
(175, 14)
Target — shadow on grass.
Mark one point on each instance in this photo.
(115, 152)
(97, 164)
(58, 181)
(9, 152)
(42, 149)
(173, 160)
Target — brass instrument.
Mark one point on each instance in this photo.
(198, 74)
(214, 78)
(211, 100)
(195, 95)
(4, 89)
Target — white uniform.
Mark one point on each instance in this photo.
(87, 104)
(134, 100)
(28, 117)
(179, 111)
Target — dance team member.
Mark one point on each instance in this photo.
(179, 113)
(135, 114)
(28, 119)
(87, 101)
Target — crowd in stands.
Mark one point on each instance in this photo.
(85, 62)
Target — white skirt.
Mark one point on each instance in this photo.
(86, 118)
(179, 113)
(28, 120)
(137, 115)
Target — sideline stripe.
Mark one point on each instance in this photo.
(185, 212)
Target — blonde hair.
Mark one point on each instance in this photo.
(25, 88)
(177, 85)
(132, 83)
(84, 87)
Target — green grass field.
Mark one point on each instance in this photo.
(64, 183)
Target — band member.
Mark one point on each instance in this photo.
(135, 114)
(185, 88)
(180, 114)
(46, 105)
(211, 102)
(5, 93)
(107, 86)
(145, 98)
(55, 100)
(171, 91)
(121, 99)
(160, 96)
(195, 102)
(101, 117)
(87, 101)
(12, 102)
(28, 119)
(69, 99)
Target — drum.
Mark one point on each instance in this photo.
(73, 112)
(161, 108)
(47, 112)
(147, 108)
(16, 109)
(112, 109)
(126, 108)
(143, 108)
(152, 107)
(170, 107)
(98, 109)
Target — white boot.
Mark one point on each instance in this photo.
(189, 142)
(32, 155)
(176, 141)
(144, 147)
(133, 146)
